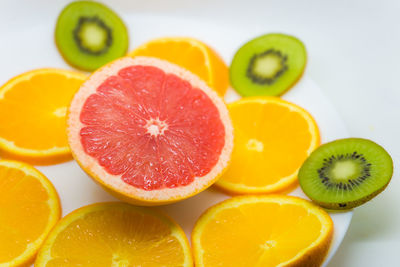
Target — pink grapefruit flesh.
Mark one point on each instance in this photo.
(149, 131)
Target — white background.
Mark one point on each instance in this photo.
(354, 57)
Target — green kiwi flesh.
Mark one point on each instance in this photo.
(89, 34)
(268, 65)
(345, 173)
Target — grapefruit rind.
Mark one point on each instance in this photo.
(113, 183)
(44, 254)
(29, 254)
(312, 255)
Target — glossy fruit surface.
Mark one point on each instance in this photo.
(115, 234)
(89, 34)
(273, 137)
(346, 173)
(191, 54)
(149, 131)
(268, 65)
(29, 208)
(33, 106)
(262, 231)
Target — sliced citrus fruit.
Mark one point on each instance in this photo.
(32, 115)
(115, 234)
(149, 131)
(29, 208)
(192, 55)
(273, 137)
(262, 231)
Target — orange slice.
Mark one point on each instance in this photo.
(33, 106)
(192, 55)
(115, 234)
(262, 231)
(29, 208)
(272, 139)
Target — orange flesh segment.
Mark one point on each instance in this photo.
(259, 234)
(273, 241)
(189, 57)
(25, 212)
(271, 143)
(39, 104)
(116, 237)
(192, 55)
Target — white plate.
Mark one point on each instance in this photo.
(26, 49)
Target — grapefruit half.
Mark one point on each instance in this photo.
(149, 131)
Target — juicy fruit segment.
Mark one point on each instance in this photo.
(115, 234)
(262, 231)
(149, 131)
(272, 139)
(33, 106)
(29, 209)
(89, 35)
(268, 65)
(346, 173)
(157, 119)
(192, 55)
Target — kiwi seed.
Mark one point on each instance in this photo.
(345, 173)
(94, 24)
(266, 67)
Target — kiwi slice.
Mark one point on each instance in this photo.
(89, 34)
(346, 173)
(268, 65)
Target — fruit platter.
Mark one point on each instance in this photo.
(143, 140)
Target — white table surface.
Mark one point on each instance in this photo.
(354, 56)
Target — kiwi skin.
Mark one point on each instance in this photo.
(350, 204)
